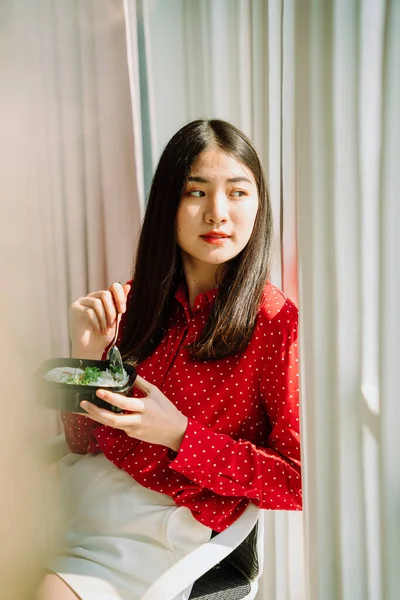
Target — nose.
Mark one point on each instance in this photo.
(217, 208)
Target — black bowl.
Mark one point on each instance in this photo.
(67, 396)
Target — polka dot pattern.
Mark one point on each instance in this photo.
(242, 441)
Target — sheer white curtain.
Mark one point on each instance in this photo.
(348, 143)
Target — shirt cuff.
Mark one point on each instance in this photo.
(199, 448)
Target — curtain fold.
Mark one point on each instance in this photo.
(389, 299)
(141, 85)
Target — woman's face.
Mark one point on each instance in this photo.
(217, 210)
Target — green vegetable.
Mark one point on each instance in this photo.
(115, 371)
(89, 375)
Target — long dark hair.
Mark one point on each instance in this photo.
(158, 267)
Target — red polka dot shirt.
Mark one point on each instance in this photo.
(242, 441)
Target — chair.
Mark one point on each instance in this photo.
(227, 567)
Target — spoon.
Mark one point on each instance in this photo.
(114, 355)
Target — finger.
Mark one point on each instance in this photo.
(143, 385)
(127, 289)
(94, 320)
(106, 417)
(95, 413)
(88, 313)
(110, 307)
(96, 305)
(123, 402)
(119, 295)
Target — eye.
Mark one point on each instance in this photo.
(239, 193)
(195, 193)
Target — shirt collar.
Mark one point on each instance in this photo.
(202, 301)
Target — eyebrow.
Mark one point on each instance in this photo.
(230, 180)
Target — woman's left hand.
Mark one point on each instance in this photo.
(152, 419)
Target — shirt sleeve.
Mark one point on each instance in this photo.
(269, 476)
(77, 429)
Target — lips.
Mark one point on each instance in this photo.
(215, 237)
(215, 234)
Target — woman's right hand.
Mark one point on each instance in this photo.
(92, 320)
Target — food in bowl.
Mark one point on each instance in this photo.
(86, 376)
(62, 383)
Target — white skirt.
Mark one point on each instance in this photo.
(119, 536)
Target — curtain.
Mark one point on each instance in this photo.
(347, 148)
(70, 210)
(73, 150)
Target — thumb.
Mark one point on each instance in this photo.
(127, 289)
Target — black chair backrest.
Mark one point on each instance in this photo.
(245, 555)
(229, 580)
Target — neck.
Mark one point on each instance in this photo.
(199, 278)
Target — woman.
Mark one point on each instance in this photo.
(214, 421)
